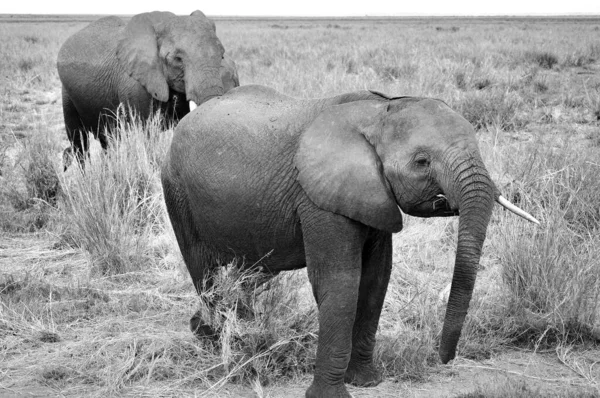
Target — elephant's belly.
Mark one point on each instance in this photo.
(94, 109)
(277, 249)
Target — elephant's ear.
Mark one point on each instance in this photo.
(341, 172)
(137, 51)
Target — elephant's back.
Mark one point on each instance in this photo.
(254, 114)
(98, 38)
(249, 124)
(87, 67)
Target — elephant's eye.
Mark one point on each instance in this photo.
(422, 162)
(177, 59)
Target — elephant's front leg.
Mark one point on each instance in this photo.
(376, 270)
(333, 247)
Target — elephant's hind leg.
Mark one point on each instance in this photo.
(76, 133)
(375, 276)
(200, 261)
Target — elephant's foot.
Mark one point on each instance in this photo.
(363, 375)
(322, 390)
(201, 330)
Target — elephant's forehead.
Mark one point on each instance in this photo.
(193, 26)
(435, 116)
(430, 110)
(427, 122)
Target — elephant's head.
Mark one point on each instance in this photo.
(162, 50)
(365, 159)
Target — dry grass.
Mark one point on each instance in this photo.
(95, 299)
(553, 273)
(114, 207)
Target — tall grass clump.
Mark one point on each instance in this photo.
(113, 207)
(31, 186)
(496, 108)
(544, 59)
(553, 271)
(583, 56)
(41, 174)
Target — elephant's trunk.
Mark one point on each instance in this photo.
(202, 85)
(473, 190)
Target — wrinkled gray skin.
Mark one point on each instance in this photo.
(318, 182)
(156, 61)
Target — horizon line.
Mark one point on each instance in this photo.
(407, 15)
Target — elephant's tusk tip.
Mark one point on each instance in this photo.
(193, 105)
(515, 209)
(531, 218)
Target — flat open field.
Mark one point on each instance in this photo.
(94, 296)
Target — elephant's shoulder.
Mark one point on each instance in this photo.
(95, 40)
(101, 28)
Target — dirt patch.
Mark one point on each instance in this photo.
(542, 372)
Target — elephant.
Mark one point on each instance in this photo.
(286, 183)
(157, 61)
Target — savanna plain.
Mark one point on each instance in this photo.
(94, 296)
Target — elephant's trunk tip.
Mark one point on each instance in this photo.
(515, 209)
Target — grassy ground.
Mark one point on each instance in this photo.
(94, 296)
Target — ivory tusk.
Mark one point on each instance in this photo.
(193, 105)
(519, 212)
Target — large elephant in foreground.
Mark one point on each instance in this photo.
(290, 183)
(156, 61)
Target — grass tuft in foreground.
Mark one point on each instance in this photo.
(114, 205)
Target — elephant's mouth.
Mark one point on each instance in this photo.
(442, 204)
(436, 206)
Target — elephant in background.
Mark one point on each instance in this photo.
(157, 61)
(319, 183)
